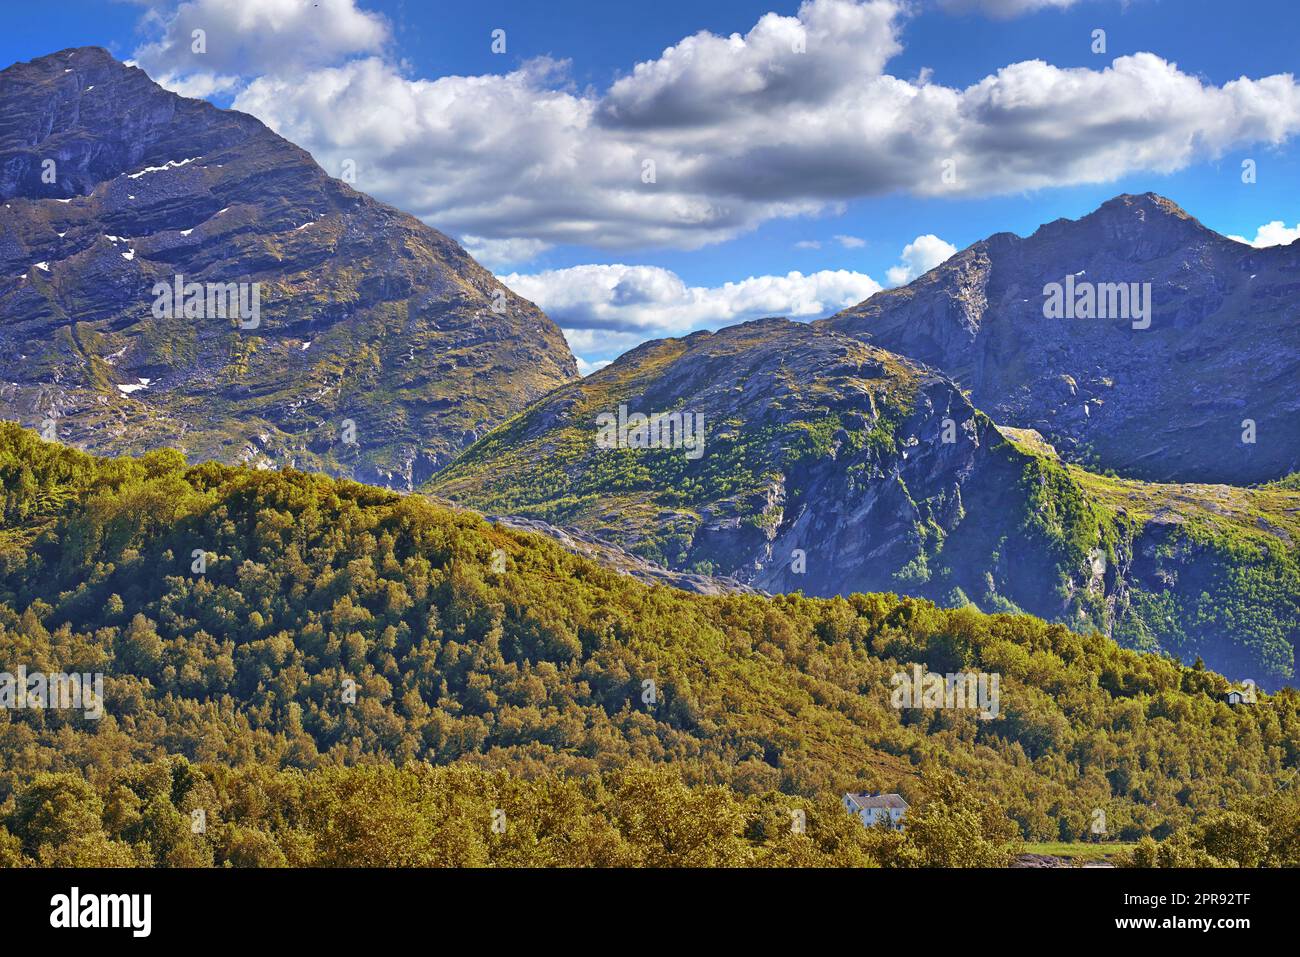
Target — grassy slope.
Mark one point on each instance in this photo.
(1212, 570)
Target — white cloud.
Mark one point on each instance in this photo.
(742, 129)
(500, 253)
(1276, 233)
(587, 368)
(782, 62)
(605, 309)
(919, 256)
(600, 342)
(250, 37)
(198, 86)
(850, 242)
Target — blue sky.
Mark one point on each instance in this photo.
(768, 163)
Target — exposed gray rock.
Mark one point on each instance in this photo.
(1164, 403)
(368, 316)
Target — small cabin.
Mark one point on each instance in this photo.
(872, 808)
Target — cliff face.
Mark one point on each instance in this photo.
(1167, 402)
(381, 347)
(812, 441)
(830, 467)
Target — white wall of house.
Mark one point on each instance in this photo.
(870, 815)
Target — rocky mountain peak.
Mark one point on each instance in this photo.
(98, 118)
(1156, 381)
(1131, 227)
(381, 347)
(1143, 206)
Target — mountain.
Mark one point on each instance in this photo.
(380, 348)
(338, 630)
(313, 327)
(832, 466)
(800, 427)
(1168, 402)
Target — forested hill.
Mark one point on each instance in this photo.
(262, 623)
(835, 467)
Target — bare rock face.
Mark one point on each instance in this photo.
(1169, 402)
(380, 347)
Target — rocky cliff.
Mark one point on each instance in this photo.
(1202, 389)
(380, 348)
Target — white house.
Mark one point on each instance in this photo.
(870, 808)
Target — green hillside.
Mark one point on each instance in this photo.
(885, 477)
(342, 638)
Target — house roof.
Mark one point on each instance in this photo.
(864, 800)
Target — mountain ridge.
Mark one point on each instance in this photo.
(384, 346)
(1168, 401)
(833, 469)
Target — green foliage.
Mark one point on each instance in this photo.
(463, 816)
(1262, 831)
(1189, 569)
(315, 586)
(1219, 576)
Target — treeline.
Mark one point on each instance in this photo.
(1259, 832)
(277, 623)
(173, 814)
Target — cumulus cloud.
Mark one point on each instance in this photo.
(500, 253)
(499, 157)
(783, 62)
(252, 37)
(743, 129)
(605, 309)
(919, 256)
(717, 135)
(599, 343)
(1276, 233)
